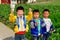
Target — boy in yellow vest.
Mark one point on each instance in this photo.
(21, 28)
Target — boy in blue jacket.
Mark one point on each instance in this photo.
(35, 25)
(47, 26)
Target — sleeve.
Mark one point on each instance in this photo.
(32, 24)
(52, 27)
(41, 31)
(29, 16)
(27, 28)
(42, 26)
(42, 23)
(16, 28)
(12, 18)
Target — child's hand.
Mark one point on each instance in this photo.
(36, 23)
(43, 24)
(16, 28)
(52, 31)
(41, 35)
(30, 9)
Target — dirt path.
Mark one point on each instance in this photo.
(6, 33)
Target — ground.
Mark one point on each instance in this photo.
(6, 33)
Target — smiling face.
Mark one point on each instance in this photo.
(20, 13)
(36, 15)
(46, 14)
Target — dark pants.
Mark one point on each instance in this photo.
(35, 38)
(46, 36)
(19, 37)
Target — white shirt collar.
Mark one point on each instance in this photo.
(20, 17)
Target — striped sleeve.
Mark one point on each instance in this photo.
(32, 24)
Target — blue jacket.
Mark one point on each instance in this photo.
(43, 28)
(17, 21)
(34, 29)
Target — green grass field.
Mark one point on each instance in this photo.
(53, 6)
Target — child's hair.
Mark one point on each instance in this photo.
(46, 10)
(19, 8)
(36, 10)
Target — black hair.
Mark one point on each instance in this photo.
(46, 10)
(36, 10)
(19, 8)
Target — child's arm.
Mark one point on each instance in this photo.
(42, 23)
(16, 28)
(32, 24)
(12, 18)
(27, 28)
(41, 31)
(52, 28)
(29, 16)
(42, 27)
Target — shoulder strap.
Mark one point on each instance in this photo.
(42, 21)
(24, 19)
(17, 21)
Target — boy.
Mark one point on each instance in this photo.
(48, 26)
(35, 24)
(21, 22)
(21, 27)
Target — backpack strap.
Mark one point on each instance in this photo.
(24, 19)
(17, 22)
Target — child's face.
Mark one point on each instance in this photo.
(36, 15)
(20, 12)
(46, 14)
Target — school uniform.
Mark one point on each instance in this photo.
(47, 27)
(35, 29)
(21, 22)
